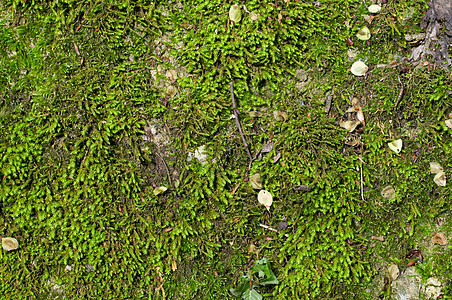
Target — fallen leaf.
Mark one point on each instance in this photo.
(396, 145)
(265, 149)
(9, 243)
(440, 239)
(359, 68)
(448, 123)
(159, 190)
(280, 116)
(254, 16)
(76, 49)
(171, 91)
(388, 192)
(349, 41)
(235, 14)
(252, 248)
(435, 167)
(174, 266)
(393, 272)
(171, 75)
(282, 225)
(360, 116)
(276, 157)
(349, 125)
(368, 18)
(264, 197)
(378, 238)
(302, 188)
(440, 178)
(352, 53)
(374, 8)
(256, 181)
(363, 34)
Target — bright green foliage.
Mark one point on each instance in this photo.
(260, 274)
(77, 170)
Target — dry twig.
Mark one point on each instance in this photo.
(400, 96)
(271, 229)
(236, 114)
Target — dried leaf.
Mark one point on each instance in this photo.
(368, 18)
(264, 197)
(254, 17)
(276, 157)
(280, 116)
(171, 91)
(267, 148)
(388, 192)
(439, 239)
(352, 53)
(396, 145)
(174, 266)
(378, 238)
(252, 248)
(282, 225)
(349, 125)
(435, 167)
(256, 181)
(76, 49)
(448, 123)
(160, 190)
(359, 68)
(393, 271)
(363, 34)
(9, 243)
(360, 116)
(302, 188)
(440, 178)
(171, 75)
(235, 14)
(374, 8)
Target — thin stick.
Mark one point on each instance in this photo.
(362, 180)
(400, 96)
(166, 167)
(362, 187)
(272, 229)
(236, 114)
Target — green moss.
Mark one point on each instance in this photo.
(80, 83)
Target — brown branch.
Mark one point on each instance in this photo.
(236, 114)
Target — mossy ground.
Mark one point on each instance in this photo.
(91, 124)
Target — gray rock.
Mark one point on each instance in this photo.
(407, 286)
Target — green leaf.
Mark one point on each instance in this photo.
(245, 286)
(262, 267)
(251, 295)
